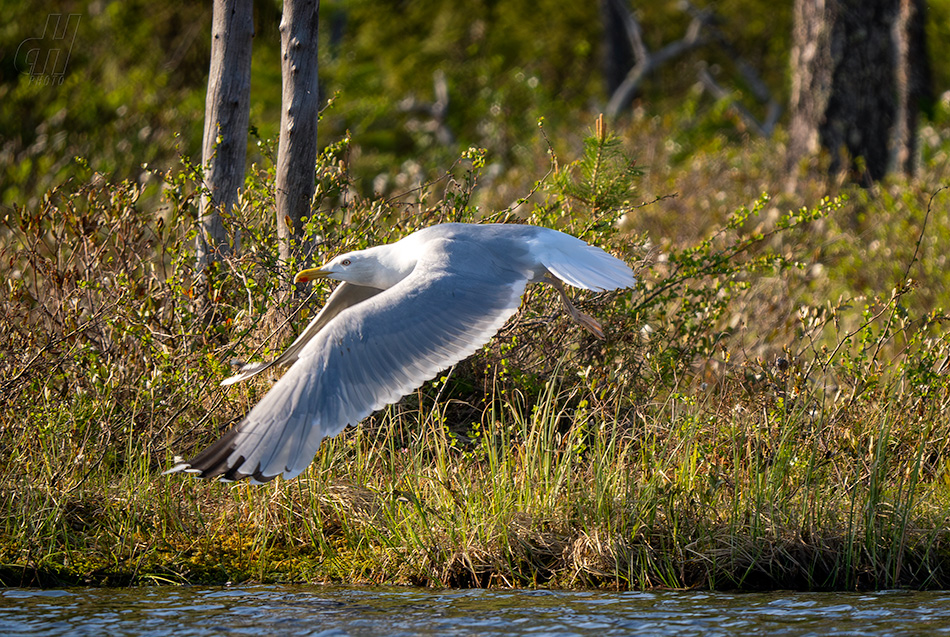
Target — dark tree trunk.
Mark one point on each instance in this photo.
(851, 90)
(618, 50)
(297, 149)
(226, 120)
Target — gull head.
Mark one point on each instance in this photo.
(370, 267)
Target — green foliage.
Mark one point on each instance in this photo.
(606, 179)
(769, 407)
(938, 34)
(133, 86)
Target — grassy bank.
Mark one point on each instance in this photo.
(769, 410)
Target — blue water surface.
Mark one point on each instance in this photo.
(337, 611)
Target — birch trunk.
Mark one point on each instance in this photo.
(227, 109)
(297, 147)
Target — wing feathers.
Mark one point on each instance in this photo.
(345, 295)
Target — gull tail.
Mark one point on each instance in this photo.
(585, 266)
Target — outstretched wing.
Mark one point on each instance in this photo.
(345, 295)
(369, 355)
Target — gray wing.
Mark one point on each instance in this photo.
(368, 356)
(345, 295)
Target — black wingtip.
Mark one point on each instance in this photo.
(212, 462)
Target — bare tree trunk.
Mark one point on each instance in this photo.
(811, 77)
(913, 83)
(226, 122)
(297, 149)
(851, 89)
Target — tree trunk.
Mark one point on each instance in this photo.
(297, 149)
(850, 84)
(913, 83)
(618, 49)
(226, 121)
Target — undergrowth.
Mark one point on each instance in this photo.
(738, 428)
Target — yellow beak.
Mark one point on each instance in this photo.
(309, 275)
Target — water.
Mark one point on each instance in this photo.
(339, 611)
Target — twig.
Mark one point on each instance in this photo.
(905, 279)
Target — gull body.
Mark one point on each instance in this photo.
(403, 312)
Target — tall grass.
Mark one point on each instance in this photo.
(739, 428)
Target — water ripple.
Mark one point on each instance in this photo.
(318, 611)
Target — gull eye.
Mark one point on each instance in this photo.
(345, 262)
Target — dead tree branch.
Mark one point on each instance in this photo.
(703, 30)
